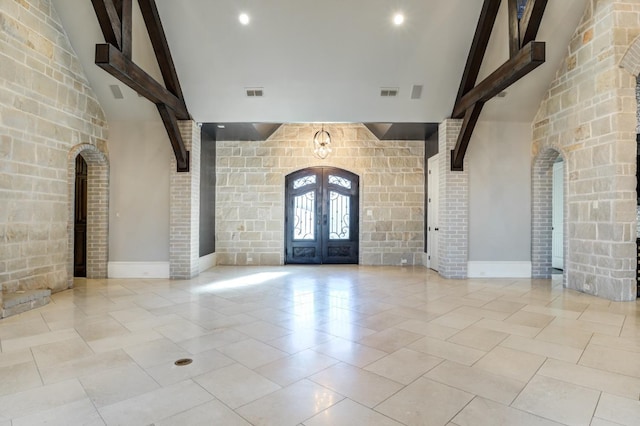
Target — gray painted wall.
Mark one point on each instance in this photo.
(500, 192)
(140, 153)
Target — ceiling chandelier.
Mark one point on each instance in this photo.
(321, 143)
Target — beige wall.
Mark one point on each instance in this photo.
(250, 193)
(46, 108)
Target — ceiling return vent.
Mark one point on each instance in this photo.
(255, 92)
(116, 91)
(388, 92)
(416, 91)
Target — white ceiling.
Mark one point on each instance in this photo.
(321, 61)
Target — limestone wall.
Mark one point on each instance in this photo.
(46, 108)
(588, 117)
(250, 193)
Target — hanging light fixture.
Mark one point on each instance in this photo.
(321, 143)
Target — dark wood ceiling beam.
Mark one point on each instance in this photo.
(161, 47)
(514, 28)
(115, 63)
(175, 137)
(464, 137)
(478, 47)
(109, 21)
(531, 20)
(528, 58)
(126, 19)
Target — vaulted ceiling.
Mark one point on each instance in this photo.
(321, 61)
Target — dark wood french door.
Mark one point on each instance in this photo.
(80, 220)
(321, 217)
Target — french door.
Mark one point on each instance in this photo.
(321, 217)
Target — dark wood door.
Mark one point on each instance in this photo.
(321, 218)
(80, 220)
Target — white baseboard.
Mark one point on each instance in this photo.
(208, 261)
(499, 269)
(138, 269)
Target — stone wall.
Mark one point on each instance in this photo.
(250, 193)
(46, 108)
(588, 117)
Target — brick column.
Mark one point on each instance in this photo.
(184, 210)
(453, 241)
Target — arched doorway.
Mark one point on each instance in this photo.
(97, 210)
(321, 216)
(542, 220)
(80, 219)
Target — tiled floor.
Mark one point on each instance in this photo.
(343, 345)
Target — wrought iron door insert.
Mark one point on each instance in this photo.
(321, 218)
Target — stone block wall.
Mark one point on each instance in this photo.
(46, 108)
(589, 117)
(250, 193)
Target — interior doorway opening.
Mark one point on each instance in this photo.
(80, 219)
(321, 216)
(557, 228)
(432, 213)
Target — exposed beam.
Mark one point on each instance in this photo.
(109, 21)
(161, 47)
(531, 20)
(514, 28)
(470, 120)
(115, 63)
(478, 46)
(528, 58)
(171, 124)
(126, 18)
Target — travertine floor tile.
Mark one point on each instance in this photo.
(236, 385)
(483, 412)
(155, 405)
(349, 413)
(404, 365)
(328, 345)
(619, 410)
(558, 401)
(511, 363)
(425, 403)
(291, 405)
(286, 371)
(366, 388)
(479, 338)
(476, 381)
(207, 414)
(613, 383)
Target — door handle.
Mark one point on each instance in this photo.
(324, 219)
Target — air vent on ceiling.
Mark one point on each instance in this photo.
(416, 91)
(115, 90)
(255, 92)
(388, 92)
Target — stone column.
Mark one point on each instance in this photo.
(453, 215)
(184, 210)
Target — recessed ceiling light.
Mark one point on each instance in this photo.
(398, 19)
(244, 19)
